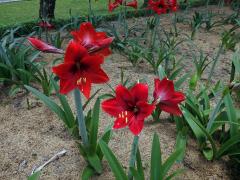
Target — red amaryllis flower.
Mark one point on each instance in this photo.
(133, 4)
(46, 24)
(116, 3)
(79, 70)
(94, 42)
(166, 97)
(130, 107)
(44, 47)
(172, 5)
(158, 6)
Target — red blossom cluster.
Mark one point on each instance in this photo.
(81, 68)
(82, 61)
(162, 6)
(117, 3)
(130, 106)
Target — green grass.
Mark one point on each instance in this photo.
(24, 11)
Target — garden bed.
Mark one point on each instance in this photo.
(29, 137)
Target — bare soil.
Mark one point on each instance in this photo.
(30, 137)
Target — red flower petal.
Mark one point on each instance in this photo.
(63, 70)
(158, 6)
(112, 6)
(166, 97)
(164, 89)
(92, 61)
(103, 52)
(94, 42)
(75, 52)
(94, 71)
(97, 76)
(178, 97)
(145, 109)
(44, 47)
(101, 47)
(124, 97)
(66, 85)
(132, 4)
(136, 125)
(171, 108)
(139, 92)
(85, 35)
(85, 88)
(112, 107)
(130, 107)
(120, 123)
(79, 70)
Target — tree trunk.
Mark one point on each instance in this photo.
(51, 8)
(46, 10)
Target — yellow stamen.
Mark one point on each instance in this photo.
(79, 81)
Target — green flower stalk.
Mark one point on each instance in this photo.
(80, 117)
(133, 155)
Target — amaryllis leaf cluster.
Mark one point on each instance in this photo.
(130, 107)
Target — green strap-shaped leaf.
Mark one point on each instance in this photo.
(161, 72)
(94, 126)
(106, 138)
(89, 100)
(181, 143)
(139, 165)
(213, 115)
(67, 109)
(35, 176)
(201, 137)
(180, 81)
(219, 121)
(175, 74)
(199, 131)
(88, 172)
(231, 114)
(227, 145)
(156, 159)
(135, 173)
(170, 161)
(113, 162)
(95, 162)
